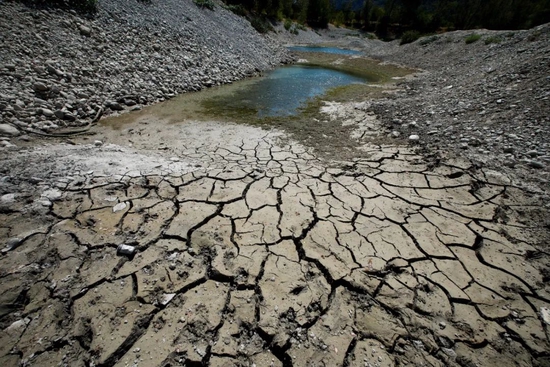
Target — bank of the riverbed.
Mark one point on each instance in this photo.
(488, 101)
(58, 69)
(245, 247)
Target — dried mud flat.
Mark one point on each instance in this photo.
(251, 251)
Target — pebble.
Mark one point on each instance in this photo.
(536, 164)
(40, 87)
(414, 138)
(12, 243)
(6, 129)
(46, 112)
(119, 207)
(85, 31)
(98, 143)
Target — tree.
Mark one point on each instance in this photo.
(318, 13)
(366, 13)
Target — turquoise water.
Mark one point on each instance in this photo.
(328, 50)
(282, 91)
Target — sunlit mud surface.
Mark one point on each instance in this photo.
(253, 250)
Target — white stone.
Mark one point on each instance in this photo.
(545, 314)
(6, 129)
(119, 207)
(52, 194)
(414, 137)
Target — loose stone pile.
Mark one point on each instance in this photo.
(59, 69)
(489, 101)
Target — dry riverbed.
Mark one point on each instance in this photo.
(268, 245)
(251, 250)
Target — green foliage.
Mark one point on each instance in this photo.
(261, 24)
(318, 13)
(474, 37)
(208, 4)
(409, 36)
(492, 39)
(238, 9)
(288, 24)
(427, 40)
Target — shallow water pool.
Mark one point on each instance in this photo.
(282, 91)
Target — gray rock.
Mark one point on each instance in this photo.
(474, 142)
(536, 164)
(60, 114)
(85, 31)
(532, 153)
(67, 116)
(40, 87)
(115, 106)
(47, 112)
(9, 130)
(12, 244)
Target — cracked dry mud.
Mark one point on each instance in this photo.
(261, 254)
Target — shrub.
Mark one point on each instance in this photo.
(262, 25)
(288, 24)
(209, 4)
(492, 39)
(409, 36)
(474, 37)
(237, 9)
(427, 40)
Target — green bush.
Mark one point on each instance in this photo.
(427, 40)
(237, 9)
(409, 36)
(492, 39)
(288, 24)
(474, 37)
(261, 24)
(208, 4)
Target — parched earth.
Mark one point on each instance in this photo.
(251, 251)
(248, 246)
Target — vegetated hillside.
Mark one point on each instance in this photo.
(59, 69)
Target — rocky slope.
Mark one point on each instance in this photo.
(487, 100)
(58, 69)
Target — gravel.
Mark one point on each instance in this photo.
(487, 101)
(58, 69)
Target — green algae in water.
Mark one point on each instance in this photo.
(281, 92)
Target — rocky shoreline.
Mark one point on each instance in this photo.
(488, 101)
(58, 69)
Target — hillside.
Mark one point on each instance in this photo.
(58, 69)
